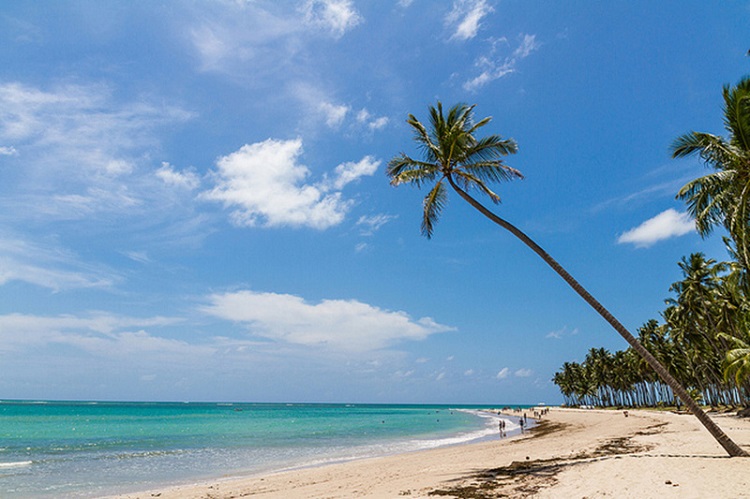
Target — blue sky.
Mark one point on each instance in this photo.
(193, 204)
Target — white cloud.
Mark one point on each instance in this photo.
(372, 123)
(560, 333)
(503, 373)
(101, 334)
(334, 114)
(185, 180)
(527, 46)
(440, 376)
(265, 186)
(334, 324)
(466, 17)
(84, 148)
(227, 36)
(48, 267)
(667, 224)
(334, 16)
(469, 372)
(370, 225)
(8, 151)
(492, 68)
(378, 123)
(81, 125)
(348, 172)
(523, 373)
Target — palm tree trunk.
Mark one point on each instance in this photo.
(728, 444)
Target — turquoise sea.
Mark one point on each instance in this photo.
(90, 449)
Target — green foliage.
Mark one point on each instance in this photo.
(451, 151)
(703, 342)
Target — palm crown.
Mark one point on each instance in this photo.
(723, 196)
(451, 152)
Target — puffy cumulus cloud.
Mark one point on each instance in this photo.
(348, 325)
(264, 185)
(8, 151)
(465, 18)
(667, 224)
(492, 67)
(333, 16)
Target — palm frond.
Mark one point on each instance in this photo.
(467, 181)
(403, 169)
(737, 113)
(422, 137)
(492, 147)
(433, 205)
(708, 199)
(712, 149)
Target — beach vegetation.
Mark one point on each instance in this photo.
(702, 341)
(722, 198)
(452, 156)
(704, 337)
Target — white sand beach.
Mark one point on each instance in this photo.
(574, 453)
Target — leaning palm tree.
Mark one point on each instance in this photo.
(453, 155)
(722, 198)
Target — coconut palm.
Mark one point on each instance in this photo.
(453, 155)
(737, 361)
(723, 196)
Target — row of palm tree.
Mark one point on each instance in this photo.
(453, 156)
(702, 342)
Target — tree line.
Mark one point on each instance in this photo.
(454, 157)
(703, 339)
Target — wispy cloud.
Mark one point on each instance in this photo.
(369, 225)
(492, 66)
(182, 179)
(48, 266)
(667, 224)
(335, 17)
(371, 122)
(560, 333)
(503, 373)
(98, 333)
(86, 148)
(332, 324)
(265, 185)
(465, 18)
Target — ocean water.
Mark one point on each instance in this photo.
(91, 449)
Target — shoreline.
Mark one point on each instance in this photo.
(571, 453)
